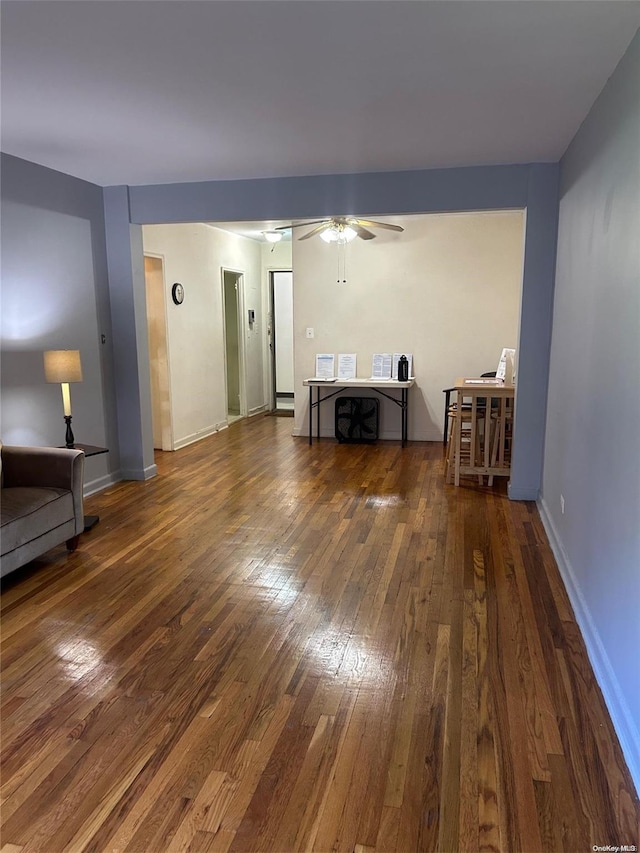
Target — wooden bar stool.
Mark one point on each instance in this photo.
(446, 433)
(470, 421)
(482, 429)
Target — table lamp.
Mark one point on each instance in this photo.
(63, 366)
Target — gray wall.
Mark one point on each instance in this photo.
(125, 264)
(55, 296)
(591, 454)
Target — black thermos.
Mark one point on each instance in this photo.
(403, 369)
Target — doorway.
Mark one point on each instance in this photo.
(281, 342)
(158, 353)
(233, 313)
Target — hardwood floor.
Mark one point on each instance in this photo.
(277, 647)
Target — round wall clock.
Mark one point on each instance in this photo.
(177, 293)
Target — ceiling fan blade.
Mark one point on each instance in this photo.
(362, 232)
(314, 231)
(374, 224)
(299, 225)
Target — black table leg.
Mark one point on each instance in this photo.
(447, 402)
(405, 404)
(310, 414)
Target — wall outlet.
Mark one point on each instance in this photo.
(310, 333)
(562, 504)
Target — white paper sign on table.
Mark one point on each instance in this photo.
(381, 366)
(325, 365)
(347, 365)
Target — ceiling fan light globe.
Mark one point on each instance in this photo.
(338, 233)
(273, 236)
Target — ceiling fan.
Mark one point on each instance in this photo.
(341, 229)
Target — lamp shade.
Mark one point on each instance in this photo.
(62, 365)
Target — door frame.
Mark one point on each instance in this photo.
(166, 427)
(271, 333)
(242, 343)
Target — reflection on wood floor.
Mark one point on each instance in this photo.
(277, 647)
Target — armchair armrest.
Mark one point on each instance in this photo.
(53, 467)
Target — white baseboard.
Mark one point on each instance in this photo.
(101, 483)
(257, 410)
(196, 436)
(621, 716)
(139, 473)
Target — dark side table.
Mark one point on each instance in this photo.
(90, 450)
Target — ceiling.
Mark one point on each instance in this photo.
(157, 91)
(255, 230)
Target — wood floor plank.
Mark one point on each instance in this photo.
(278, 647)
(469, 734)
(513, 659)
(250, 764)
(487, 792)
(449, 828)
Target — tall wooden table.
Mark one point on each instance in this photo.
(492, 403)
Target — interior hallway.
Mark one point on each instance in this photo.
(278, 647)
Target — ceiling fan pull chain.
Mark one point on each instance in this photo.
(342, 263)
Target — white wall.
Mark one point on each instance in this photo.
(446, 290)
(593, 413)
(194, 254)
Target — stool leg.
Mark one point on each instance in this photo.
(499, 438)
(479, 446)
(450, 460)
